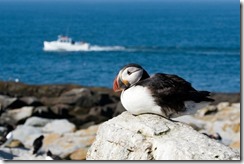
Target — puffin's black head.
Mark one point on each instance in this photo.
(40, 138)
(129, 75)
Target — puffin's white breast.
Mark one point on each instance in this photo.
(138, 100)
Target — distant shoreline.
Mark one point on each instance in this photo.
(19, 89)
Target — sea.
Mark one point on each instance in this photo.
(198, 40)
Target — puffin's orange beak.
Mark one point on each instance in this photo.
(119, 85)
(116, 87)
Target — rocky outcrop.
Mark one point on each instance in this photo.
(60, 137)
(151, 137)
(68, 117)
(19, 154)
(80, 105)
(221, 120)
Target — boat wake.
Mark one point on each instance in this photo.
(66, 43)
(106, 48)
(88, 49)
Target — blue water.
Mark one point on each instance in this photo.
(197, 40)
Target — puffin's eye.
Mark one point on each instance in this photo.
(128, 72)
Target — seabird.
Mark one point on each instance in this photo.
(37, 144)
(50, 156)
(163, 94)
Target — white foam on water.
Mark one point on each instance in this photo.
(86, 49)
(106, 48)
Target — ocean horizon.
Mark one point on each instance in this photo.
(198, 41)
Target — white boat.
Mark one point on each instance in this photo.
(65, 43)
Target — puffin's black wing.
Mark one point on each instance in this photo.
(171, 91)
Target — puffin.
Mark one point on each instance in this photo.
(37, 144)
(167, 95)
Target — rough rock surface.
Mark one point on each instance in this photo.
(19, 154)
(61, 126)
(16, 115)
(32, 108)
(151, 137)
(80, 105)
(222, 119)
(71, 145)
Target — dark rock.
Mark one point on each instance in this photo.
(82, 120)
(17, 116)
(14, 89)
(45, 112)
(89, 101)
(1, 110)
(6, 155)
(105, 99)
(37, 121)
(211, 110)
(49, 101)
(106, 111)
(31, 101)
(61, 109)
(79, 104)
(119, 109)
(81, 97)
(225, 97)
(40, 110)
(11, 103)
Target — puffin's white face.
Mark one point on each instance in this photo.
(127, 77)
(131, 74)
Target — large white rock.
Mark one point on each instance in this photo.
(16, 115)
(151, 137)
(59, 126)
(26, 134)
(223, 119)
(37, 121)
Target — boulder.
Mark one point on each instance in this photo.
(19, 154)
(119, 109)
(16, 115)
(79, 154)
(11, 102)
(75, 144)
(59, 126)
(75, 96)
(225, 97)
(222, 119)
(37, 121)
(44, 111)
(10, 154)
(72, 145)
(26, 134)
(61, 109)
(151, 137)
(31, 101)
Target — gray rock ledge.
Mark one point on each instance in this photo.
(151, 137)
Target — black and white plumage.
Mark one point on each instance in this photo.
(163, 94)
(37, 144)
